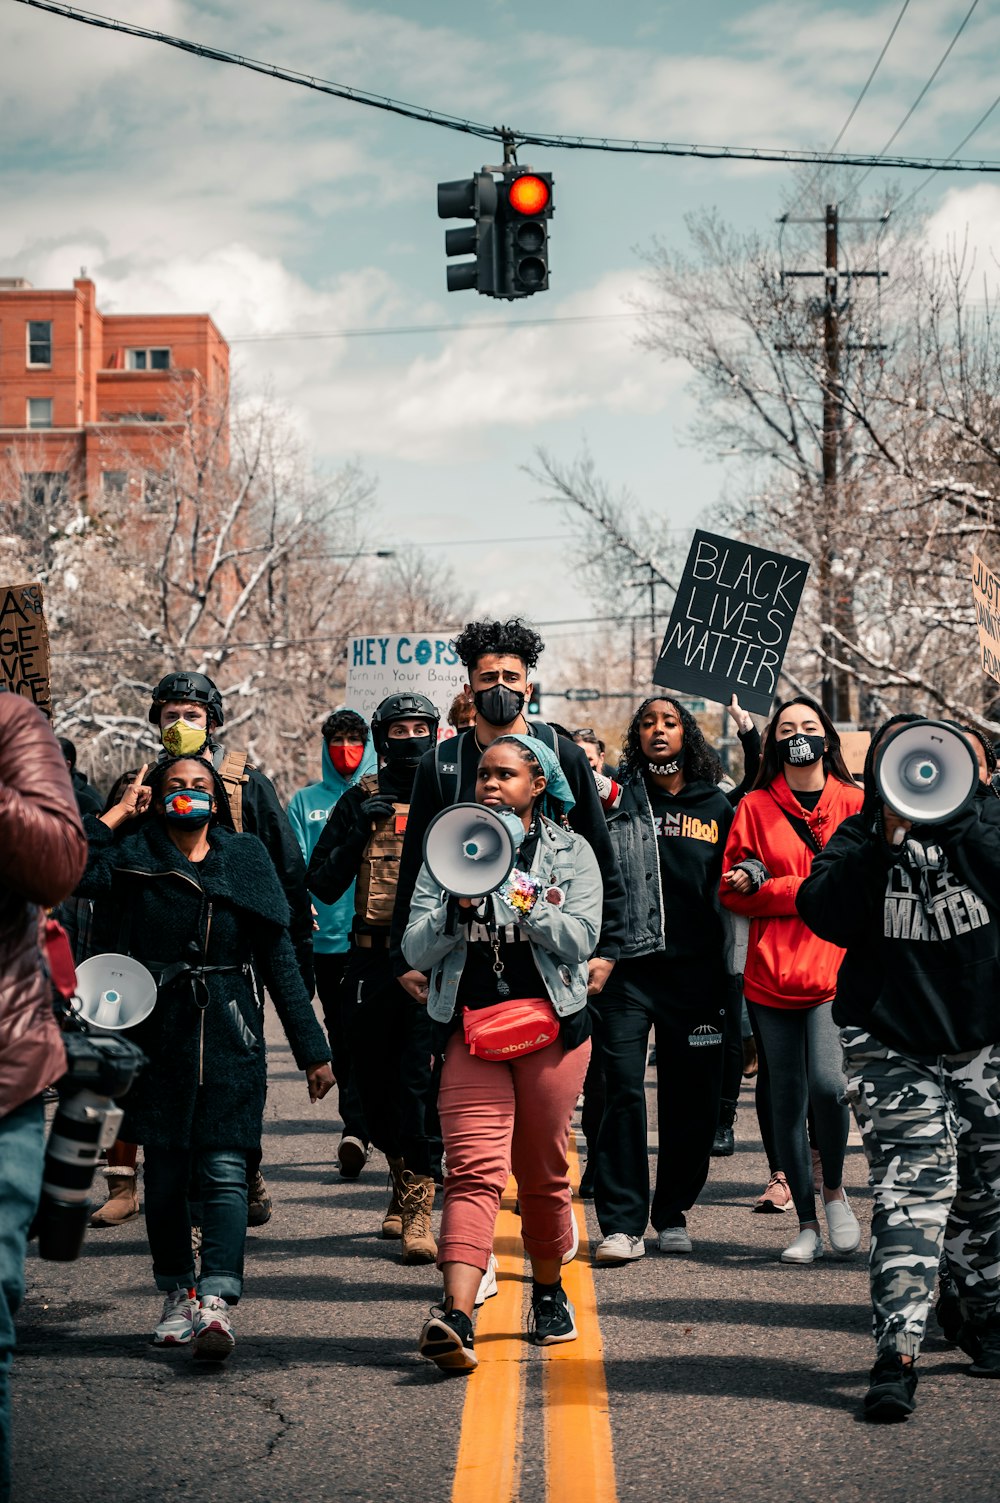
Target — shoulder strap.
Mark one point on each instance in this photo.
(446, 755)
(801, 829)
(544, 732)
(233, 773)
(369, 783)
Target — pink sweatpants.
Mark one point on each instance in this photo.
(496, 1118)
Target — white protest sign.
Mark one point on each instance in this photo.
(416, 663)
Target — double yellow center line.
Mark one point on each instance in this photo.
(579, 1464)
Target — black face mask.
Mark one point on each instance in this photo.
(406, 751)
(801, 751)
(499, 706)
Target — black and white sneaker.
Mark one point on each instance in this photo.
(447, 1340)
(552, 1317)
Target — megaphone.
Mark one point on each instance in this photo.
(114, 992)
(927, 772)
(469, 849)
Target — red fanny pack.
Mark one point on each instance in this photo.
(510, 1029)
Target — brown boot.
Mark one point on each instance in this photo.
(392, 1221)
(419, 1245)
(122, 1203)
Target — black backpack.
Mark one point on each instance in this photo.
(447, 754)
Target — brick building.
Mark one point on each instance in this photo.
(89, 402)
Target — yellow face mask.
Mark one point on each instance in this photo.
(182, 739)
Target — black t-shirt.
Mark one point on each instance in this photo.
(809, 800)
(691, 830)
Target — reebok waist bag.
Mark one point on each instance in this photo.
(510, 1029)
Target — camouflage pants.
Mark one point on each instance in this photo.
(931, 1134)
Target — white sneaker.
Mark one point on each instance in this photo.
(176, 1326)
(674, 1239)
(619, 1247)
(487, 1284)
(213, 1335)
(571, 1252)
(843, 1227)
(807, 1247)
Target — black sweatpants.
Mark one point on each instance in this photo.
(685, 1002)
(391, 1062)
(336, 1015)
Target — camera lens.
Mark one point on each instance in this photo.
(84, 1124)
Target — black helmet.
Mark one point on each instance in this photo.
(191, 688)
(402, 707)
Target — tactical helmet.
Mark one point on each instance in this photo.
(402, 707)
(187, 688)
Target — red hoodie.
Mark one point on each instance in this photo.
(787, 964)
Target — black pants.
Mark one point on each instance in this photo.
(732, 1049)
(685, 1002)
(335, 1003)
(391, 1062)
(594, 1094)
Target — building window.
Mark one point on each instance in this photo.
(39, 412)
(45, 487)
(147, 360)
(115, 482)
(39, 342)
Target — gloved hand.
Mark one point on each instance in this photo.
(377, 807)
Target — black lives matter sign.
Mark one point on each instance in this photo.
(24, 644)
(731, 622)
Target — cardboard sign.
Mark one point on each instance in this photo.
(24, 645)
(986, 596)
(414, 664)
(731, 622)
(854, 749)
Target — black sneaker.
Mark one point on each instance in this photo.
(551, 1317)
(890, 1390)
(948, 1313)
(724, 1142)
(447, 1340)
(981, 1340)
(586, 1191)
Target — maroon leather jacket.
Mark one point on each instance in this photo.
(43, 852)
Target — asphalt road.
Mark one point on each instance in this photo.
(728, 1375)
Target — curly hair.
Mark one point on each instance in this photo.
(513, 637)
(346, 723)
(700, 762)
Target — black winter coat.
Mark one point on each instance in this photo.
(205, 1082)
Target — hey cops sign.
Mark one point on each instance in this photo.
(418, 663)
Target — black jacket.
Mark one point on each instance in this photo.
(205, 1081)
(921, 927)
(672, 907)
(88, 800)
(336, 859)
(586, 818)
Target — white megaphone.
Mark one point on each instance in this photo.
(114, 992)
(927, 772)
(469, 849)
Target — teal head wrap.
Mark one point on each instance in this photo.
(556, 785)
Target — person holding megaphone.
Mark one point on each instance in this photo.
(508, 991)
(909, 887)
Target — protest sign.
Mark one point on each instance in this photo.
(24, 644)
(420, 663)
(731, 622)
(854, 749)
(986, 595)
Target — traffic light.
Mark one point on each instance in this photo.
(524, 214)
(472, 198)
(535, 701)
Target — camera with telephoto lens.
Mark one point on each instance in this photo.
(86, 1123)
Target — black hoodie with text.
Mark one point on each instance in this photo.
(920, 923)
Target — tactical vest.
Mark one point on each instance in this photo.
(375, 888)
(234, 776)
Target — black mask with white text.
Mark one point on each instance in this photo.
(801, 750)
(499, 705)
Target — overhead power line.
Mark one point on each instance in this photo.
(501, 133)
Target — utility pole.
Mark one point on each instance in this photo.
(835, 607)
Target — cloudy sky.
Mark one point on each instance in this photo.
(183, 184)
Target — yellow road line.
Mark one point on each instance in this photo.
(489, 1451)
(579, 1461)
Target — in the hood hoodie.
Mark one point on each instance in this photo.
(308, 812)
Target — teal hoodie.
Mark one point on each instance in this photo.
(308, 812)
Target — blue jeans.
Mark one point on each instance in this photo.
(22, 1152)
(222, 1175)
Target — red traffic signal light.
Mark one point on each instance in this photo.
(529, 194)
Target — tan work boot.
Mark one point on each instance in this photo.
(122, 1203)
(392, 1221)
(417, 1200)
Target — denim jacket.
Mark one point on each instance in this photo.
(633, 838)
(563, 937)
